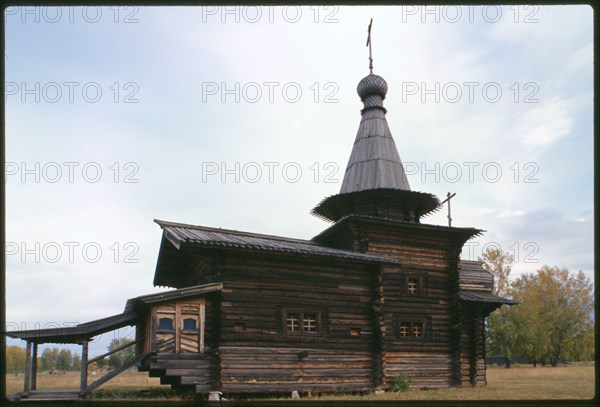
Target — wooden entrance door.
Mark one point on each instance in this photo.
(180, 327)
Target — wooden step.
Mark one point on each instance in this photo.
(179, 356)
(195, 380)
(49, 395)
(180, 364)
(185, 372)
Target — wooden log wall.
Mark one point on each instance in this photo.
(256, 352)
(379, 330)
(472, 345)
(431, 361)
(212, 331)
(479, 378)
(467, 371)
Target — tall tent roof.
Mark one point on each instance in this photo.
(374, 162)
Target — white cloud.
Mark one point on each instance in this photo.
(546, 124)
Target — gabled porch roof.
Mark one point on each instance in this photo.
(86, 331)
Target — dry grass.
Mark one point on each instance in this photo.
(520, 382)
(128, 381)
(517, 383)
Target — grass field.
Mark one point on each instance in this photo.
(574, 381)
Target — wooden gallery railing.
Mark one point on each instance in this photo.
(86, 389)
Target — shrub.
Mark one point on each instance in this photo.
(401, 383)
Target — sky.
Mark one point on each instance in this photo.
(244, 118)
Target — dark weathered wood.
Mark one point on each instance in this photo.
(84, 366)
(113, 373)
(34, 366)
(51, 395)
(27, 376)
(127, 345)
(154, 331)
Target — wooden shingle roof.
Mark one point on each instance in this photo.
(172, 295)
(488, 298)
(201, 236)
(77, 333)
(473, 277)
(130, 315)
(374, 162)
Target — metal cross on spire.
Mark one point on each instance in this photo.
(369, 45)
(449, 197)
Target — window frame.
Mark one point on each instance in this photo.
(192, 312)
(301, 322)
(421, 284)
(166, 331)
(189, 331)
(412, 322)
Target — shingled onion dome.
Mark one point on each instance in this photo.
(372, 90)
(375, 183)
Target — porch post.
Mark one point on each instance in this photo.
(84, 359)
(27, 378)
(34, 366)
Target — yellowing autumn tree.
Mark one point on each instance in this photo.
(15, 359)
(498, 263)
(552, 322)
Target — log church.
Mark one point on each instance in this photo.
(376, 295)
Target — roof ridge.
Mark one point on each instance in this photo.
(163, 223)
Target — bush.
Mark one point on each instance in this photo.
(401, 383)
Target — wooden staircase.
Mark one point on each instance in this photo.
(48, 395)
(183, 371)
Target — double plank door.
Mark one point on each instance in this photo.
(179, 327)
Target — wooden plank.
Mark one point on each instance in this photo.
(34, 367)
(27, 376)
(52, 395)
(283, 387)
(195, 380)
(114, 351)
(113, 373)
(172, 364)
(84, 366)
(203, 388)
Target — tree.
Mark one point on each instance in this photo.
(15, 359)
(101, 363)
(63, 360)
(48, 359)
(117, 359)
(76, 362)
(502, 333)
(570, 299)
(499, 264)
(501, 325)
(553, 320)
(532, 339)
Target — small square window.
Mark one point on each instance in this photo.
(413, 285)
(189, 324)
(293, 322)
(302, 323)
(417, 329)
(411, 329)
(165, 324)
(404, 329)
(309, 323)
